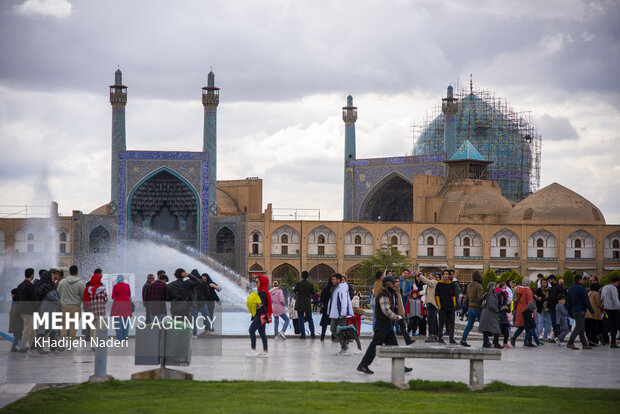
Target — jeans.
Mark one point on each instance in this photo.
(518, 332)
(613, 315)
(122, 327)
(543, 324)
(276, 323)
(195, 311)
(383, 335)
(431, 319)
(446, 318)
(302, 319)
(579, 329)
(529, 334)
(472, 316)
(254, 326)
(554, 324)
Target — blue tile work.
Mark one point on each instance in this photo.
(467, 151)
(363, 175)
(210, 146)
(118, 144)
(135, 166)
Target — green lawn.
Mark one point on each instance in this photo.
(162, 396)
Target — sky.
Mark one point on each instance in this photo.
(284, 69)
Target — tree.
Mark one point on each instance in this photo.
(605, 279)
(387, 257)
(489, 276)
(289, 279)
(569, 278)
(510, 275)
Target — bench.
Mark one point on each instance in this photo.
(476, 358)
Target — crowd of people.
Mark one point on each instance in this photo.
(189, 295)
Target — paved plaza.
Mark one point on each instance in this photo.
(312, 360)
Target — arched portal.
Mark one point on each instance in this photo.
(279, 272)
(164, 204)
(321, 273)
(391, 200)
(99, 240)
(225, 241)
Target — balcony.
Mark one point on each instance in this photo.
(431, 257)
(467, 257)
(255, 255)
(580, 259)
(543, 259)
(506, 258)
(612, 259)
(284, 255)
(356, 256)
(321, 256)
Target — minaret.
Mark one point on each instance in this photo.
(449, 108)
(349, 116)
(210, 100)
(118, 99)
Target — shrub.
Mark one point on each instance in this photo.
(569, 278)
(489, 276)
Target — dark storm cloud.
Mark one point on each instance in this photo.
(556, 128)
(277, 50)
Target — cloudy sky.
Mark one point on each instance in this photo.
(284, 69)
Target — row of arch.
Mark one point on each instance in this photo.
(30, 239)
(542, 244)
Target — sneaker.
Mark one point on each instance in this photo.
(251, 353)
(486, 345)
(194, 337)
(22, 350)
(540, 344)
(441, 341)
(33, 353)
(42, 351)
(263, 354)
(497, 346)
(343, 352)
(432, 339)
(365, 370)
(465, 344)
(562, 344)
(614, 346)
(513, 342)
(282, 335)
(529, 346)
(556, 340)
(507, 346)
(453, 342)
(407, 370)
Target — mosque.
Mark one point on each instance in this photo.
(467, 198)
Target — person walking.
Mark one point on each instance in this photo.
(561, 315)
(155, 298)
(577, 303)
(554, 291)
(431, 306)
(28, 305)
(49, 304)
(384, 327)
(71, 292)
(414, 311)
(543, 316)
(339, 309)
(446, 302)
(122, 308)
(261, 318)
(611, 304)
(594, 321)
(303, 304)
(522, 297)
(279, 311)
(489, 318)
(529, 324)
(326, 294)
(504, 312)
(474, 294)
(401, 326)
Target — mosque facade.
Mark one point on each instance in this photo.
(467, 198)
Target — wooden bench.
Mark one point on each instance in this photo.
(476, 358)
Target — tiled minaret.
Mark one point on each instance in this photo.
(210, 101)
(118, 99)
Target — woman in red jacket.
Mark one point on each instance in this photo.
(122, 307)
(523, 296)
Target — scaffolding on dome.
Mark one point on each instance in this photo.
(501, 134)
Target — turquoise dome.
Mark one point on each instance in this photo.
(496, 137)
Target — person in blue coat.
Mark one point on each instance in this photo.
(577, 303)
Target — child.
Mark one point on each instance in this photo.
(530, 326)
(504, 312)
(414, 311)
(561, 318)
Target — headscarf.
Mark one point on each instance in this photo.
(120, 279)
(491, 287)
(263, 285)
(46, 285)
(91, 289)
